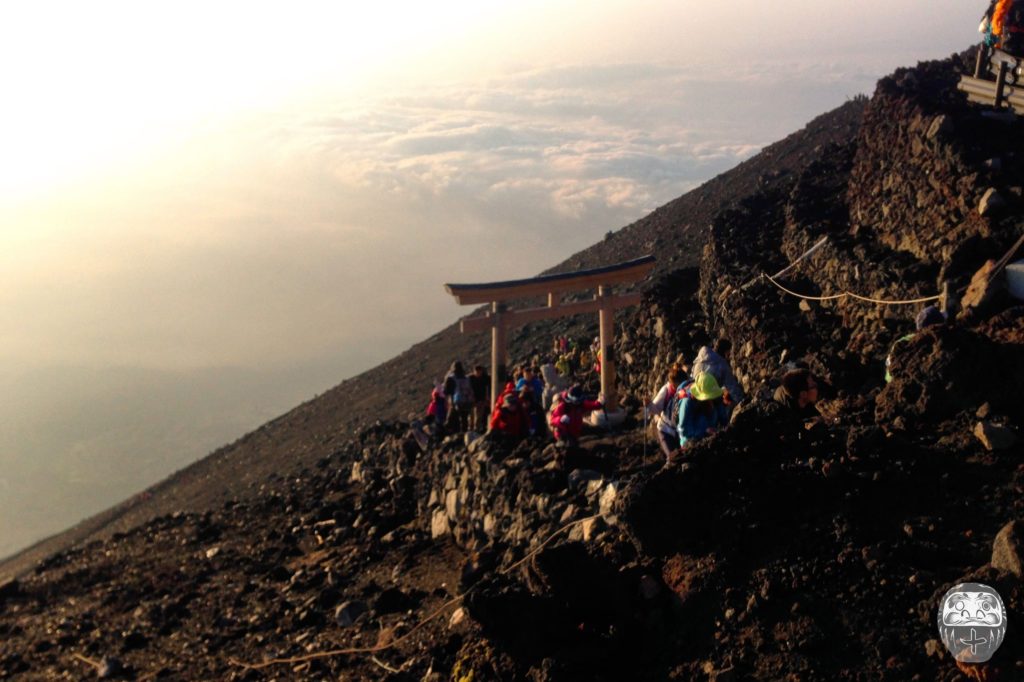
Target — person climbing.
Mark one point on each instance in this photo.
(701, 412)
(437, 409)
(480, 381)
(567, 417)
(660, 408)
(798, 393)
(554, 383)
(716, 363)
(928, 317)
(509, 419)
(460, 393)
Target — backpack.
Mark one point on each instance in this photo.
(677, 400)
(463, 391)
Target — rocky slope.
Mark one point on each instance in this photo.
(770, 551)
(675, 232)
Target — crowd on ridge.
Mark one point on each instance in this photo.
(546, 397)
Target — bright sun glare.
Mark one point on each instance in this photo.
(87, 85)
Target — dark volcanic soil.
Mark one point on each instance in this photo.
(775, 550)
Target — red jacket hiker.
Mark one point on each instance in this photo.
(509, 418)
(567, 418)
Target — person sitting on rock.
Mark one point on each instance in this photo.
(554, 383)
(567, 417)
(661, 409)
(716, 363)
(798, 393)
(509, 420)
(701, 412)
(929, 317)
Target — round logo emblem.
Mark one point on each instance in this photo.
(972, 622)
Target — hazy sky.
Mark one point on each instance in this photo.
(211, 211)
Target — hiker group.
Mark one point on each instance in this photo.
(546, 397)
(543, 397)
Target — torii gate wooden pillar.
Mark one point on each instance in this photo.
(499, 319)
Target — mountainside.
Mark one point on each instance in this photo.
(675, 233)
(329, 544)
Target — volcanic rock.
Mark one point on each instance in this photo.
(1008, 549)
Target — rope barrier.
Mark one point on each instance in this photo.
(844, 294)
(393, 643)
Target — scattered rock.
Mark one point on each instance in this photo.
(994, 436)
(348, 612)
(109, 667)
(991, 202)
(458, 616)
(941, 125)
(933, 648)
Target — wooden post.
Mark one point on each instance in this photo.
(979, 63)
(1000, 84)
(498, 370)
(606, 320)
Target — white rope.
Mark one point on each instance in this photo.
(909, 301)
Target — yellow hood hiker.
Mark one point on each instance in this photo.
(706, 387)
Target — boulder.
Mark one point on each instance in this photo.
(607, 501)
(439, 524)
(982, 286)
(1007, 550)
(452, 505)
(591, 528)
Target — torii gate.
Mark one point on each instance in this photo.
(499, 320)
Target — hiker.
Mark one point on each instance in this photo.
(509, 420)
(437, 409)
(928, 317)
(567, 417)
(716, 363)
(531, 381)
(1003, 26)
(460, 392)
(661, 409)
(563, 366)
(480, 381)
(530, 404)
(799, 393)
(554, 383)
(701, 412)
(510, 387)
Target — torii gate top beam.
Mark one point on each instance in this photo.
(494, 292)
(499, 320)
